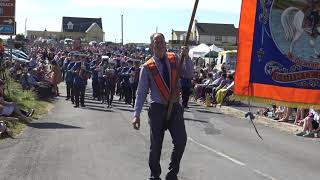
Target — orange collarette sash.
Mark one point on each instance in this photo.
(163, 89)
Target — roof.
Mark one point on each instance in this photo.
(79, 24)
(92, 26)
(217, 29)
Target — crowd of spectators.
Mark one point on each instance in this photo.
(48, 67)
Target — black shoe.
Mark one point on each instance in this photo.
(76, 106)
(67, 99)
(30, 114)
(82, 105)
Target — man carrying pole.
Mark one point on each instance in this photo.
(160, 75)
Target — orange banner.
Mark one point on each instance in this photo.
(273, 64)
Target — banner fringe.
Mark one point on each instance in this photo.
(276, 102)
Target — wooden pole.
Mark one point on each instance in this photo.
(171, 97)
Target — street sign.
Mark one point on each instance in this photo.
(7, 17)
(6, 29)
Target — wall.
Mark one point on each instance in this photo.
(95, 34)
(207, 39)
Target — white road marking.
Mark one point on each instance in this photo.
(230, 159)
(217, 152)
(264, 175)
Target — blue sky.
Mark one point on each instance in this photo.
(141, 17)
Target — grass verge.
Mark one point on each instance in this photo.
(26, 100)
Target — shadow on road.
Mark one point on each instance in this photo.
(49, 125)
(92, 102)
(123, 109)
(195, 120)
(121, 105)
(97, 109)
(95, 106)
(207, 111)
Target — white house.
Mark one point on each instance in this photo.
(214, 33)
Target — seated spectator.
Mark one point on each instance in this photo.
(310, 124)
(279, 112)
(223, 93)
(217, 78)
(11, 108)
(15, 71)
(285, 115)
(301, 114)
(200, 88)
(225, 80)
(29, 81)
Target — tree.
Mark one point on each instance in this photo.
(19, 37)
(19, 41)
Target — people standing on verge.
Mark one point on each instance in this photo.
(55, 77)
(158, 75)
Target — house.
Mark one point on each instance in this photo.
(178, 38)
(178, 35)
(221, 35)
(86, 29)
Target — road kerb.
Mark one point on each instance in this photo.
(282, 126)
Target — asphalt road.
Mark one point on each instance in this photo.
(100, 143)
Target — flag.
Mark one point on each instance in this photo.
(279, 52)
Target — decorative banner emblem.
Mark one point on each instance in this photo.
(279, 52)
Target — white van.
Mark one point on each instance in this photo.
(227, 57)
(68, 41)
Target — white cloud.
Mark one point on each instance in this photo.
(227, 6)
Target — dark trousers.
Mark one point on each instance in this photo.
(127, 94)
(176, 127)
(186, 91)
(69, 90)
(63, 73)
(79, 92)
(110, 90)
(134, 87)
(102, 88)
(95, 89)
(119, 89)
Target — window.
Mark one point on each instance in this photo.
(70, 25)
(218, 38)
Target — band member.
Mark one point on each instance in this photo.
(134, 80)
(159, 76)
(101, 70)
(120, 72)
(125, 84)
(111, 81)
(69, 81)
(79, 84)
(95, 80)
(185, 80)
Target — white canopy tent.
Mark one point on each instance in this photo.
(199, 51)
(215, 48)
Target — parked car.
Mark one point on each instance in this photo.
(16, 58)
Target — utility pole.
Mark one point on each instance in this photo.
(25, 28)
(156, 29)
(121, 29)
